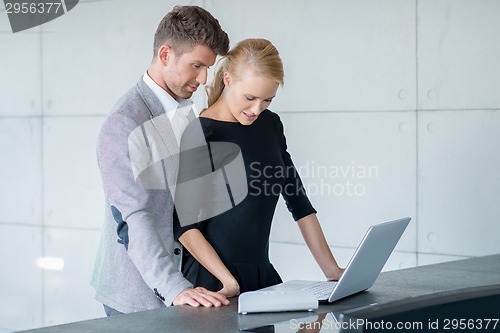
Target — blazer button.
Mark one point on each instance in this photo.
(160, 296)
(177, 251)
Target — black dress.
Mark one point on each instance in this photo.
(240, 236)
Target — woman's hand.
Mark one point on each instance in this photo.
(315, 239)
(230, 289)
(335, 276)
(194, 241)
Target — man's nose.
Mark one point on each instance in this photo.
(202, 76)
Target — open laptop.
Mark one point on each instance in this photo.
(363, 268)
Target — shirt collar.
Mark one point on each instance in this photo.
(170, 105)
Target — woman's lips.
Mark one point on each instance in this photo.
(249, 116)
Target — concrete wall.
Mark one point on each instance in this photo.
(391, 109)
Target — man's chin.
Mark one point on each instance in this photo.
(185, 95)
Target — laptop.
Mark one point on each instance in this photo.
(361, 271)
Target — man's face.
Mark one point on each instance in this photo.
(183, 74)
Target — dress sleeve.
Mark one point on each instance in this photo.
(293, 190)
(180, 230)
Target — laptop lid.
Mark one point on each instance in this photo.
(369, 258)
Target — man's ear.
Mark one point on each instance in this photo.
(165, 53)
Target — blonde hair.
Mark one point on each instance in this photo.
(259, 53)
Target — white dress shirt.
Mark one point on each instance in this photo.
(177, 111)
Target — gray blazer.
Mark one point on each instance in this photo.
(138, 262)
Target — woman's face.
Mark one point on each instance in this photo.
(247, 97)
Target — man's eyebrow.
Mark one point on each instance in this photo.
(199, 62)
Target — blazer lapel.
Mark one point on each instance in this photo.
(160, 134)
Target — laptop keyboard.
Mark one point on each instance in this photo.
(322, 290)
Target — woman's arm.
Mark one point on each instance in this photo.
(194, 241)
(315, 239)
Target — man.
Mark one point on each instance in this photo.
(137, 266)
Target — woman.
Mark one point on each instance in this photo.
(229, 252)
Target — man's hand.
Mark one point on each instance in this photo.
(200, 296)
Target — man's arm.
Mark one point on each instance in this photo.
(139, 208)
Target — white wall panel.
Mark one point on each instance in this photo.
(295, 262)
(20, 170)
(458, 54)
(358, 168)
(459, 182)
(20, 73)
(73, 195)
(68, 294)
(338, 55)
(4, 20)
(87, 67)
(400, 260)
(20, 280)
(430, 259)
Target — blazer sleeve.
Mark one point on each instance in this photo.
(136, 208)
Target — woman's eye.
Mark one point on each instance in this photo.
(250, 98)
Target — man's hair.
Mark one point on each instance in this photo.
(185, 27)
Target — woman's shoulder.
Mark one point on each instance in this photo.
(270, 116)
(272, 119)
(196, 133)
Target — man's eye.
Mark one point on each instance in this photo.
(196, 66)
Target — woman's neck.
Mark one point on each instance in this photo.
(219, 111)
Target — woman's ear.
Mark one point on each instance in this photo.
(227, 79)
